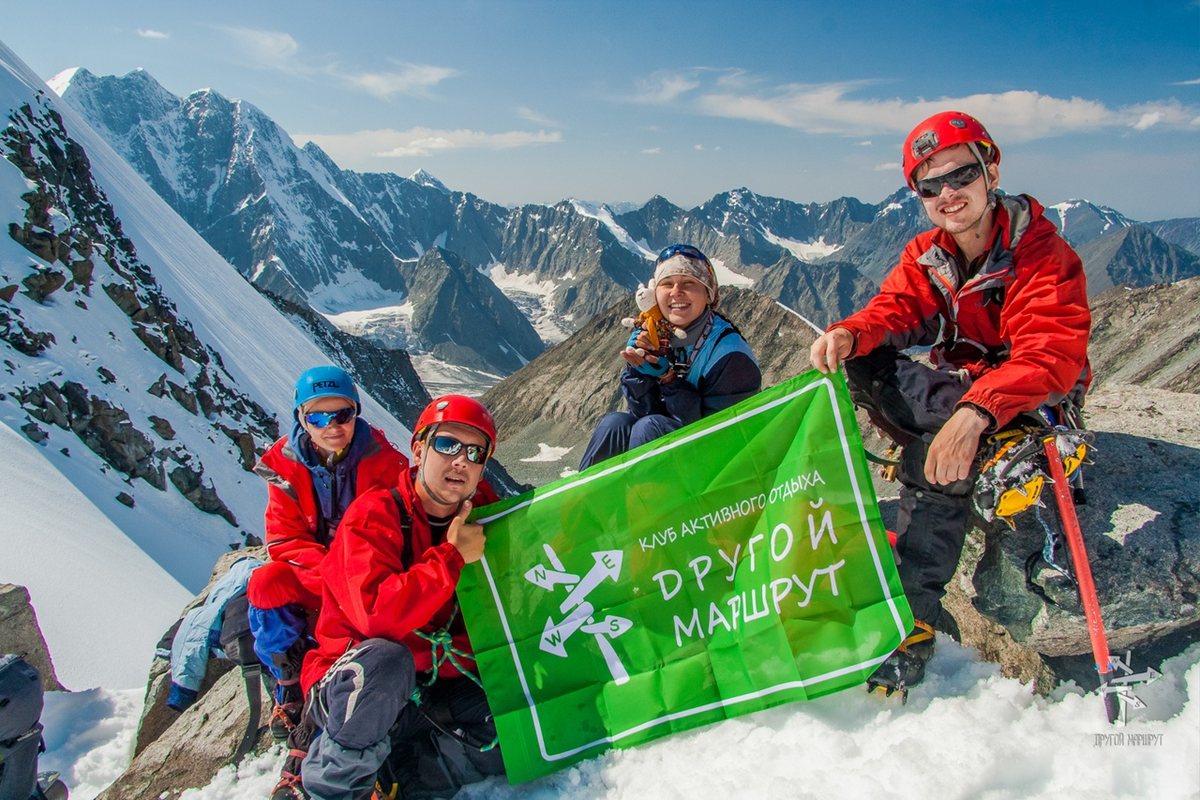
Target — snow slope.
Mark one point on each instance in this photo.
(965, 733)
(65, 536)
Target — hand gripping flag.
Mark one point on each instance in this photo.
(736, 564)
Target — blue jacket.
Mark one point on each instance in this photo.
(722, 374)
(200, 633)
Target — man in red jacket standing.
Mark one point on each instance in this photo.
(393, 654)
(1008, 297)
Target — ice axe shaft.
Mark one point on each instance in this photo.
(1083, 575)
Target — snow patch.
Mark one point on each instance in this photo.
(441, 377)
(604, 214)
(534, 298)
(547, 453)
(727, 277)
(805, 251)
(1128, 519)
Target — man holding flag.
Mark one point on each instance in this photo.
(394, 666)
(1003, 300)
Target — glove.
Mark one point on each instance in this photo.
(655, 370)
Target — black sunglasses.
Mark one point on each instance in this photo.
(449, 446)
(323, 419)
(685, 250)
(955, 179)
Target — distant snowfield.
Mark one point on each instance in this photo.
(534, 298)
(805, 251)
(604, 214)
(966, 732)
(352, 291)
(441, 377)
(727, 277)
(389, 326)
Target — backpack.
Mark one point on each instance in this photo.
(237, 642)
(20, 731)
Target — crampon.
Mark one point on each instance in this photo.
(904, 668)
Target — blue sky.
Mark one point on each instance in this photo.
(529, 101)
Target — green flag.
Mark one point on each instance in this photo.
(736, 564)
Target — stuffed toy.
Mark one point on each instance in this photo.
(651, 320)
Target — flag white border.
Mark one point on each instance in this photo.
(730, 701)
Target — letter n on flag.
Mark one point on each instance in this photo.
(734, 565)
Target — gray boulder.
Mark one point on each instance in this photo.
(175, 751)
(1141, 529)
(20, 634)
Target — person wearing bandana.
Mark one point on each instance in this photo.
(710, 369)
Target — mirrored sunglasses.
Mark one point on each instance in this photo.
(956, 179)
(323, 419)
(449, 446)
(685, 250)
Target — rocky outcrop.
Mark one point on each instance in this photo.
(1141, 529)
(174, 751)
(1148, 336)
(200, 741)
(20, 634)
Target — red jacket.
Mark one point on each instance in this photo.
(292, 518)
(1019, 327)
(369, 594)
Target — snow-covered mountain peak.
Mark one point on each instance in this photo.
(425, 179)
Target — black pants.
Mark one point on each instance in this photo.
(911, 402)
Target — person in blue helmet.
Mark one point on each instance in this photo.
(330, 457)
(710, 369)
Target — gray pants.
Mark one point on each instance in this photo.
(364, 703)
(911, 402)
(356, 704)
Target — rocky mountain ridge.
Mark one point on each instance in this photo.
(347, 243)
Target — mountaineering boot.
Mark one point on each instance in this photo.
(904, 668)
(289, 705)
(289, 786)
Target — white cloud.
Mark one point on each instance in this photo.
(146, 33)
(891, 166)
(411, 79)
(663, 88)
(387, 143)
(278, 50)
(272, 49)
(866, 143)
(1195, 82)
(846, 109)
(650, 151)
(535, 117)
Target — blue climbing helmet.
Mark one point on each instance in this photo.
(324, 382)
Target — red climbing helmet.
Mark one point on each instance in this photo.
(460, 409)
(943, 130)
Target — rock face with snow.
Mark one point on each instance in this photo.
(1081, 222)
(83, 260)
(20, 634)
